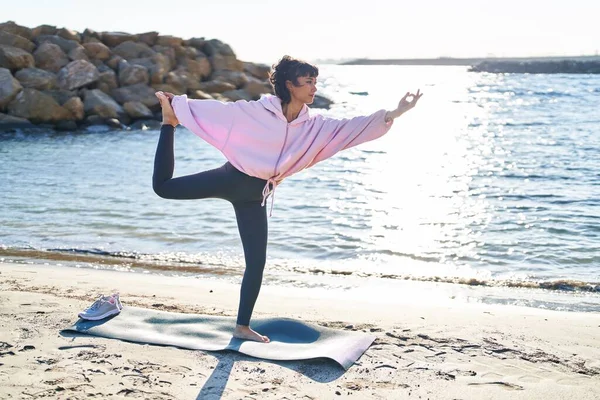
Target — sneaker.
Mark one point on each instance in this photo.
(104, 307)
(118, 301)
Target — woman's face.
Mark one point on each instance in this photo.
(305, 90)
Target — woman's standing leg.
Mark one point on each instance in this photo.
(253, 228)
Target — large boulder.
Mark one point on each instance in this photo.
(96, 102)
(256, 87)
(9, 87)
(199, 67)
(15, 29)
(168, 52)
(13, 40)
(216, 86)
(158, 66)
(107, 81)
(97, 51)
(163, 87)
(69, 34)
(10, 122)
(50, 57)
(198, 43)
(239, 79)
(170, 41)
(138, 92)
(36, 78)
(78, 53)
(75, 107)
(65, 44)
(260, 71)
(113, 39)
(238, 94)
(129, 50)
(148, 38)
(37, 107)
(43, 30)
(77, 74)
(14, 58)
(91, 36)
(130, 74)
(215, 46)
(182, 80)
(137, 110)
(221, 62)
(61, 96)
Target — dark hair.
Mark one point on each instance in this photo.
(289, 69)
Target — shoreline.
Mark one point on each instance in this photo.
(438, 351)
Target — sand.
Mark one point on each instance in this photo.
(448, 351)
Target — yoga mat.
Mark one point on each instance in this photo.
(290, 339)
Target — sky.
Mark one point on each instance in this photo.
(264, 30)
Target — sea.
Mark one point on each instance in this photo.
(487, 192)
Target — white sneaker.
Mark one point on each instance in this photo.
(116, 297)
(104, 307)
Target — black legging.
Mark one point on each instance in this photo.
(226, 182)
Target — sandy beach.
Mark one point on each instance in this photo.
(455, 351)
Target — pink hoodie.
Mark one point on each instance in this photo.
(255, 137)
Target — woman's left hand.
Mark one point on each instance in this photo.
(406, 104)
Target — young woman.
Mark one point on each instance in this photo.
(264, 141)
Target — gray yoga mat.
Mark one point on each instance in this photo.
(290, 339)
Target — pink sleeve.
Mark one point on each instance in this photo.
(209, 119)
(346, 133)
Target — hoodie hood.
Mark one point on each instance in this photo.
(273, 104)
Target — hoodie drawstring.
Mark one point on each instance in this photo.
(267, 191)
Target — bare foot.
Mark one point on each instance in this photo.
(245, 332)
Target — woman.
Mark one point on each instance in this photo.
(264, 142)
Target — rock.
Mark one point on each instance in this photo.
(230, 63)
(13, 40)
(75, 107)
(131, 74)
(260, 71)
(129, 50)
(113, 62)
(170, 41)
(10, 122)
(50, 57)
(107, 81)
(65, 44)
(137, 110)
(113, 39)
(168, 52)
(97, 51)
(238, 94)
(14, 58)
(61, 96)
(216, 86)
(36, 78)
(215, 46)
(198, 43)
(66, 126)
(77, 74)
(78, 53)
(158, 66)
(91, 120)
(148, 38)
(114, 123)
(163, 87)
(96, 102)
(91, 36)
(9, 87)
(199, 94)
(256, 87)
(15, 29)
(138, 92)
(321, 102)
(69, 35)
(145, 124)
(43, 30)
(37, 107)
(239, 79)
(182, 81)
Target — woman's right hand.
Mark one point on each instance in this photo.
(168, 115)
